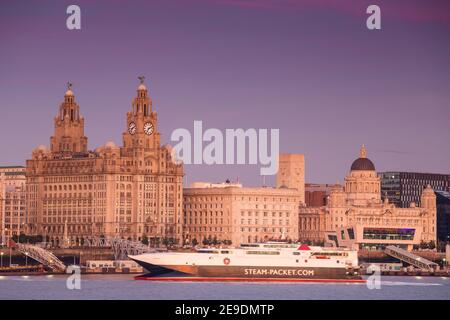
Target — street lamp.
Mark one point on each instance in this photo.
(26, 259)
(1, 259)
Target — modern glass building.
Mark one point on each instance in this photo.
(402, 188)
(443, 215)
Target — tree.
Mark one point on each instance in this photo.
(431, 245)
(423, 245)
(23, 238)
(144, 239)
(194, 242)
(319, 243)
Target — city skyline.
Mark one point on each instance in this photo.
(398, 108)
(227, 150)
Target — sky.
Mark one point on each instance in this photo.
(309, 68)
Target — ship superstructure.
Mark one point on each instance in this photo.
(258, 260)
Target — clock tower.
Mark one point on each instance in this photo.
(141, 134)
(130, 191)
(69, 127)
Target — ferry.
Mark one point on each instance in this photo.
(257, 261)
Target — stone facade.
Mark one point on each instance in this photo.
(316, 195)
(13, 217)
(355, 215)
(127, 191)
(238, 214)
(311, 224)
(291, 173)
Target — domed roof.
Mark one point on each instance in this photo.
(42, 148)
(428, 190)
(110, 144)
(362, 163)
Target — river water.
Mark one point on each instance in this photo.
(125, 287)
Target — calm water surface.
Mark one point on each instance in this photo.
(125, 287)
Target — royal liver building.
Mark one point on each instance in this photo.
(131, 191)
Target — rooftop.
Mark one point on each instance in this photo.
(12, 167)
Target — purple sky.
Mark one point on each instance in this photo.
(310, 68)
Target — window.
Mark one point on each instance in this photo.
(388, 233)
(351, 233)
(264, 252)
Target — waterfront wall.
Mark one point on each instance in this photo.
(380, 256)
(68, 256)
(77, 255)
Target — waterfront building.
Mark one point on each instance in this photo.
(234, 214)
(402, 188)
(443, 215)
(13, 217)
(311, 216)
(316, 194)
(311, 224)
(356, 216)
(131, 191)
(291, 173)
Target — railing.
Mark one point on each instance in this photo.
(120, 247)
(123, 248)
(42, 256)
(410, 258)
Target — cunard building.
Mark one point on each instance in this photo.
(131, 191)
(356, 216)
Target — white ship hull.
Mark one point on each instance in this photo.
(259, 263)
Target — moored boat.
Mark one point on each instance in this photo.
(272, 260)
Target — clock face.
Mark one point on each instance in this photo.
(148, 128)
(132, 128)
